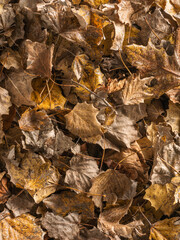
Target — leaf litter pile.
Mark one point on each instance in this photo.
(89, 119)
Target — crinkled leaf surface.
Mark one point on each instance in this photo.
(111, 186)
(5, 101)
(35, 175)
(67, 202)
(173, 118)
(61, 228)
(82, 121)
(83, 169)
(23, 227)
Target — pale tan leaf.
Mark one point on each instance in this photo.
(82, 121)
(11, 59)
(61, 228)
(173, 117)
(23, 227)
(113, 185)
(82, 170)
(19, 86)
(5, 102)
(39, 61)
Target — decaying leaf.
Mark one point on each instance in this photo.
(82, 121)
(19, 86)
(111, 186)
(155, 109)
(162, 196)
(5, 102)
(10, 59)
(61, 228)
(166, 229)
(35, 175)
(91, 234)
(173, 118)
(83, 169)
(39, 61)
(4, 191)
(23, 227)
(67, 202)
(20, 204)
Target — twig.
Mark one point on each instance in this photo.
(152, 29)
(124, 63)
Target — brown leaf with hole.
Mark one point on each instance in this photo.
(82, 121)
(67, 202)
(23, 227)
(113, 185)
(39, 60)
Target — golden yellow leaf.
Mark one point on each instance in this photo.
(23, 227)
(82, 121)
(35, 175)
(96, 3)
(87, 75)
(167, 229)
(47, 95)
(162, 196)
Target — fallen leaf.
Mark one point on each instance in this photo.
(39, 60)
(166, 229)
(162, 196)
(155, 62)
(91, 234)
(96, 3)
(47, 95)
(20, 204)
(32, 120)
(4, 191)
(67, 202)
(23, 227)
(61, 228)
(82, 121)
(173, 118)
(110, 186)
(11, 59)
(155, 109)
(82, 170)
(19, 86)
(5, 102)
(35, 175)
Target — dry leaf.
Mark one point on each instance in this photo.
(174, 95)
(96, 3)
(83, 169)
(82, 121)
(4, 191)
(35, 175)
(19, 86)
(155, 109)
(23, 227)
(173, 117)
(10, 59)
(61, 228)
(155, 62)
(67, 202)
(39, 60)
(166, 229)
(113, 185)
(162, 196)
(92, 234)
(47, 95)
(20, 204)
(4, 102)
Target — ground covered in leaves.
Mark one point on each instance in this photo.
(89, 119)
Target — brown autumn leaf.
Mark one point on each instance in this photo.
(111, 186)
(173, 118)
(4, 191)
(20, 204)
(153, 62)
(11, 59)
(162, 196)
(67, 202)
(166, 229)
(61, 228)
(82, 121)
(39, 58)
(82, 170)
(23, 227)
(155, 109)
(35, 175)
(5, 102)
(91, 234)
(19, 86)
(32, 120)
(174, 95)
(96, 3)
